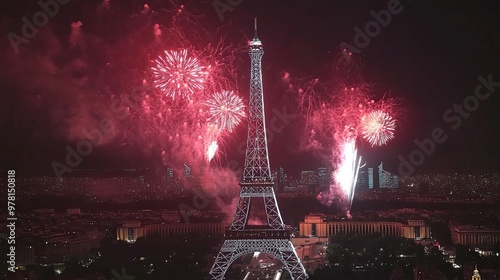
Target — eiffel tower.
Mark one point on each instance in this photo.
(241, 238)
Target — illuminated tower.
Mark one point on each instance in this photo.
(272, 238)
(476, 275)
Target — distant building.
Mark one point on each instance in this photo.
(386, 179)
(131, 232)
(476, 275)
(294, 186)
(368, 179)
(417, 229)
(316, 225)
(324, 178)
(308, 177)
(365, 179)
(474, 236)
(309, 181)
(281, 180)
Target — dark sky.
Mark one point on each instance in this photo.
(429, 56)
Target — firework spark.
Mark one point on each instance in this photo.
(377, 128)
(346, 173)
(226, 110)
(179, 75)
(212, 149)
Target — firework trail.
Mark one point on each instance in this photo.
(226, 110)
(211, 150)
(347, 172)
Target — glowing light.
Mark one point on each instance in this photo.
(346, 174)
(377, 128)
(178, 74)
(226, 110)
(212, 149)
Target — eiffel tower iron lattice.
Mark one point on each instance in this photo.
(273, 238)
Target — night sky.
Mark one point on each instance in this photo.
(429, 56)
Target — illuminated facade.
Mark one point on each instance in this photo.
(131, 232)
(281, 178)
(386, 179)
(365, 179)
(203, 230)
(381, 179)
(474, 236)
(316, 225)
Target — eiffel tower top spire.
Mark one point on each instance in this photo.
(255, 29)
(255, 44)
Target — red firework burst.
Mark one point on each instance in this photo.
(226, 110)
(377, 128)
(178, 74)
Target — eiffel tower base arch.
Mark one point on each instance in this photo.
(281, 249)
